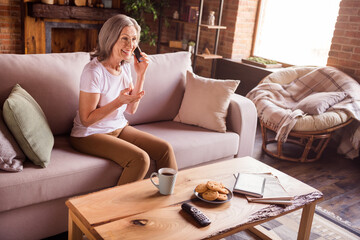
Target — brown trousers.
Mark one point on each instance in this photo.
(132, 149)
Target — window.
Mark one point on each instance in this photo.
(297, 32)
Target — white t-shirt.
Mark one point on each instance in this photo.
(95, 78)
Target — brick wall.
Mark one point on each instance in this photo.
(239, 18)
(10, 27)
(345, 48)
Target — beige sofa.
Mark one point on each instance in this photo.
(32, 202)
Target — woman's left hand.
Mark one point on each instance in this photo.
(140, 67)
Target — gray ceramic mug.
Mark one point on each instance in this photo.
(167, 178)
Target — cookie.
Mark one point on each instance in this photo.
(210, 195)
(223, 191)
(201, 188)
(212, 185)
(222, 197)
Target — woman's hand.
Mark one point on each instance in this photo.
(126, 96)
(88, 102)
(140, 67)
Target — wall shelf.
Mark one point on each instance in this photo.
(209, 56)
(212, 26)
(216, 27)
(182, 21)
(199, 25)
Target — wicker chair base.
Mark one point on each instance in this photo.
(313, 143)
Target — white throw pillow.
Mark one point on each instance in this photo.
(206, 102)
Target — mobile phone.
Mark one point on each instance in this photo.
(137, 53)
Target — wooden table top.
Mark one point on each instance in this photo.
(138, 209)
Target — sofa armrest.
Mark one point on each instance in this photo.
(242, 119)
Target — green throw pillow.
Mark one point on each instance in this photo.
(27, 122)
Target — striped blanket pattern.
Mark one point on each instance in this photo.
(274, 103)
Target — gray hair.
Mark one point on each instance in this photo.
(109, 34)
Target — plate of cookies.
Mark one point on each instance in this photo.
(213, 192)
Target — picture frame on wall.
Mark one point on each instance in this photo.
(190, 14)
(193, 14)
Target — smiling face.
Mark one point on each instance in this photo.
(126, 44)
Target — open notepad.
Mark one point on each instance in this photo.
(273, 191)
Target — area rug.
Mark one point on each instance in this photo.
(326, 225)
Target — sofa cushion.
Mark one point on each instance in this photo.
(11, 156)
(194, 145)
(70, 173)
(164, 87)
(29, 126)
(51, 79)
(206, 102)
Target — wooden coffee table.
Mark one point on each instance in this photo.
(138, 211)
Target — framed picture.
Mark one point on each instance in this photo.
(190, 14)
(193, 14)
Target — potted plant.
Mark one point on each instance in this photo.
(262, 62)
(137, 10)
(191, 46)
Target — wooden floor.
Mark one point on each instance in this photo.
(336, 177)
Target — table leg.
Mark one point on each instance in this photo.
(306, 221)
(74, 232)
(263, 233)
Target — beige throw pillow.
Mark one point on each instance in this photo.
(206, 102)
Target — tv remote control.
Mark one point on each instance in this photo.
(196, 214)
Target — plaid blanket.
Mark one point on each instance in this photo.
(274, 102)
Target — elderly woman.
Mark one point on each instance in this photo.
(106, 92)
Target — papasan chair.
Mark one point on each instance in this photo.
(303, 106)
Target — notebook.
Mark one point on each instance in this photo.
(250, 184)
